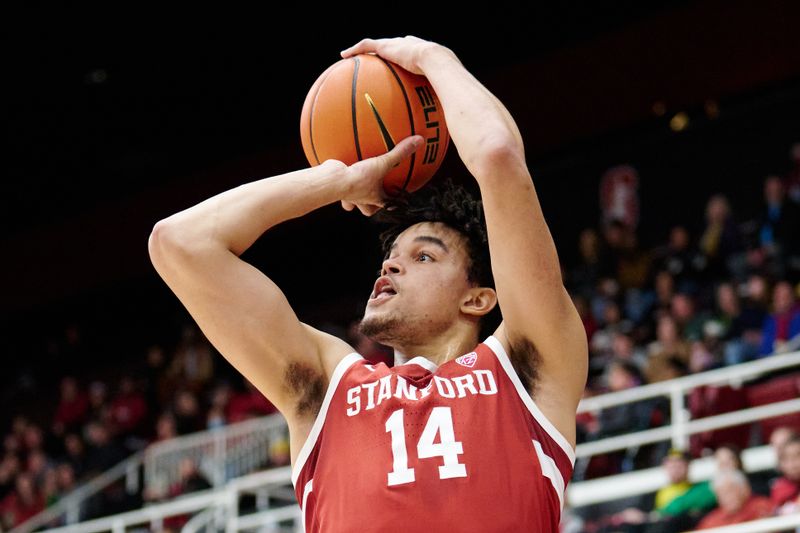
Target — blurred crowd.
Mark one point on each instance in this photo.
(94, 425)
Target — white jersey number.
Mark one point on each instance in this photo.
(448, 448)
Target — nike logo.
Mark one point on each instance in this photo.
(387, 138)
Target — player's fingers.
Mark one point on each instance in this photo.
(362, 47)
(368, 210)
(347, 206)
(402, 150)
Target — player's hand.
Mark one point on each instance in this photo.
(365, 178)
(404, 51)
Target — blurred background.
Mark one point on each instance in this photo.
(663, 139)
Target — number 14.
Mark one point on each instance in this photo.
(440, 421)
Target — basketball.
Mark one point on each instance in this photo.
(361, 106)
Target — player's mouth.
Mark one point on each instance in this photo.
(384, 289)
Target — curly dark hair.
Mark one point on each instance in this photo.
(455, 206)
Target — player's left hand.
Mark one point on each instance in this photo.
(365, 178)
(403, 51)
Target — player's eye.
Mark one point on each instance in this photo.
(423, 254)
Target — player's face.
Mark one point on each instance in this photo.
(427, 268)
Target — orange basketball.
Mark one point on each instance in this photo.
(361, 106)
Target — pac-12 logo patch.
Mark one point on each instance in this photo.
(468, 359)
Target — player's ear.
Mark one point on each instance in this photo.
(479, 301)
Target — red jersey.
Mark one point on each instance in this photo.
(460, 447)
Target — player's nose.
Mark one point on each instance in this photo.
(391, 266)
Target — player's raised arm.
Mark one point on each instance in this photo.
(530, 291)
(239, 309)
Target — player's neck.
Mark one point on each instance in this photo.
(438, 351)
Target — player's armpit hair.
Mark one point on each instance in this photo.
(307, 385)
(525, 359)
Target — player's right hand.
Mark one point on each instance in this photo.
(365, 178)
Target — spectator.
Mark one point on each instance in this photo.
(21, 504)
(157, 386)
(72, 408)
(601, 346)
(736, 502)
(667, 346)
(75, 453)
(104, 452)
(37, 466)
(279, 454)
(583, 278)
(741, 328)
(678, 504)
(220, 398)
(98, 402)
(193, 363)
(689, 321)
(720, 243)
(128, 409)
(786, 489)
(9, 467)
(783, 323)
(32, 439)
(779, 226)
(728, 457)
(165, 427)
(706, 353)
(676, 466)
(679, 259)
(65, 476)
(189, 480)
(186, 408)
(780, 436)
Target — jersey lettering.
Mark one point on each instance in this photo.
(369, 395)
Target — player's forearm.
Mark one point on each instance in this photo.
(477, 121)
(236, 218)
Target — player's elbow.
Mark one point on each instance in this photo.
(499, 151)
(164, 243)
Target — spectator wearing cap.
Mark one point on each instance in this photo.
(736, 501)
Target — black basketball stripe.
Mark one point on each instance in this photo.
(353, 107)
(410, 118)
(311, 120)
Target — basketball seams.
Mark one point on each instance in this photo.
(410, 118)
(311, 121)
(353, 107)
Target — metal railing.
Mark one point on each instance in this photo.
(681, 427)
(221, 454)
(220, 506)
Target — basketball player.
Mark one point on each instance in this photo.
(464, 433)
